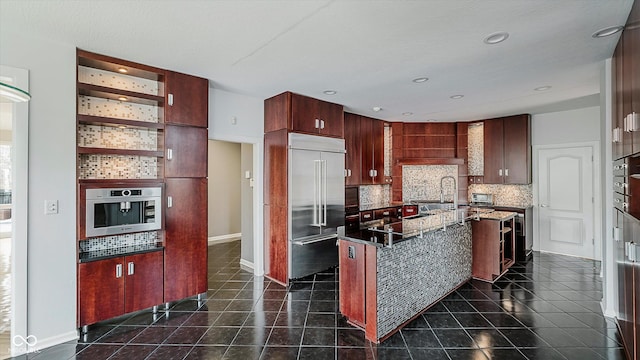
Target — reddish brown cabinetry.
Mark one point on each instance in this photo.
(353, 157)
(372, 145)
(185, 151)
(186, 233)
(187, 99)
(112, 287)
(493, 248)
(507, 150)
(352, 287)
(298, 113)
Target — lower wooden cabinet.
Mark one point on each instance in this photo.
(113, 287)
(493, 248)
(627, 235)
(352, 287)
(185, 263)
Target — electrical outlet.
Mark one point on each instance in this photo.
(50, 207)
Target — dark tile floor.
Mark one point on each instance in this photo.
(545, 309)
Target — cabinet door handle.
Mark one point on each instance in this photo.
(130, 268)
(170, 99)
(506, 172)
(500, 172)
(543, 205)
(169, 201)
(321, 124)
(317, 123)
(118, 271)
(169, 154)
(386, 213)
(616, 233)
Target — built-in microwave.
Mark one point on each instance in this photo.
(123, 210)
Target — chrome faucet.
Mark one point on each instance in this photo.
(455, 190)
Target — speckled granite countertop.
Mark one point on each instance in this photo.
(117, 252)
(380, 205)
(409, 227)
(498, 215)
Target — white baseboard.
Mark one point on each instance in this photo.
(246, 265)
(54, 340)
(224, 238)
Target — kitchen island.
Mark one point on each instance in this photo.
(391, 273)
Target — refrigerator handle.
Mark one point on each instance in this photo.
(324, 193)
(316, 186)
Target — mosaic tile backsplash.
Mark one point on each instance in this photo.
(476, 150)
(505, 195)
(89, 105)
(118, 241)
(110, 79)
(422, 182)
(116, 138)
(387, 150)
(374, 194)
(102, 166)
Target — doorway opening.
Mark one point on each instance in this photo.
(231, 197)
(14, 125)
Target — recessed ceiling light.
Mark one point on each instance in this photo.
(123, 98)
(496, 38)
(330, 92)
(377, 108)
(542, 88)
(455, 97)
(408, 113)
(123, 70)
(420, 80)
(607, 31)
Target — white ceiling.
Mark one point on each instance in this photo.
(368, 51)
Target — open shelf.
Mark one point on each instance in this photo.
(114, 122)
(113, 94)
(108, 63)
(149, 153)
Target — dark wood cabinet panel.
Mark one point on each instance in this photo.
(627, 100)
(353, 157)
(618, 112)
(185, 262)
(352, 281)
(100, 290)
(186, 151)
(276, 243)
(187, 100)
(632, 42)
(275, 165)
(517, 150)
(493, 151)
(372, 145)
(507, 150)
(298, 113)
(493, 248)
(144, 281)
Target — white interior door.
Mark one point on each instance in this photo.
(565, 200)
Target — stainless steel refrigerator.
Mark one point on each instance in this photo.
(316, 202)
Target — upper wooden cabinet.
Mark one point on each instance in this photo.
(372, 145)
(353, 157)
(186, 151)
(507, 150)
(298, 113)
(187, 100)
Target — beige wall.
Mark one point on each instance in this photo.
(224, 188)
